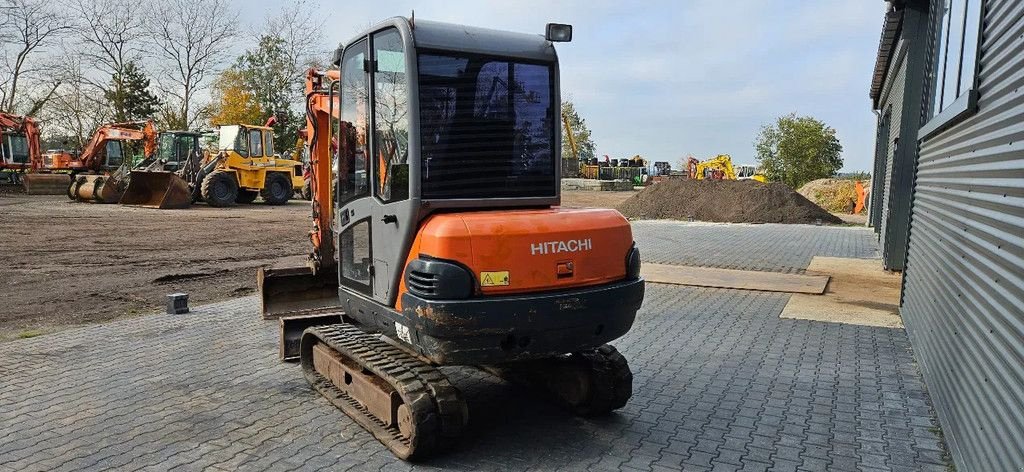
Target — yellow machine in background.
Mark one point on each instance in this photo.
(721, 168)
(248, 167)
(242, 167)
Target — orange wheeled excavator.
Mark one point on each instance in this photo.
(21, 161)
(438, 239)
(101, 172)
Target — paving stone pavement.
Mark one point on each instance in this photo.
(721, 383)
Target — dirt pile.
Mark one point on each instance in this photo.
(724, 201)
(835, 195)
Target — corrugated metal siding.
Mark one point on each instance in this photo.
(878, 173)
(895, 101)
(964, 281)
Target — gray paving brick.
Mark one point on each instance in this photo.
(720, 383)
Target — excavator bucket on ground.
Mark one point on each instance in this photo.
(299, 299)
(156, 189)
(291, 291)
(46, 184)
(95, 189)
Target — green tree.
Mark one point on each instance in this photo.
(798, 149)
(129, 95)
(233, 103)
(580, 132)
(266, 74)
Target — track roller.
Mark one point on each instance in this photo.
(407, 404)
(588, 383)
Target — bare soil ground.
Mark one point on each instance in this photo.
(725, 201)
(66, 264)
(72, 263)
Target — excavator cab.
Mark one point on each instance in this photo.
(440, 230)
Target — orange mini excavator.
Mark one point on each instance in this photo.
(438, 240)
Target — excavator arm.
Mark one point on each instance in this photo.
(299, 291)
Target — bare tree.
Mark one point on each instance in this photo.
(113, 33)
(29, 27)
(299, 25)
(76, 107)
(191, 39)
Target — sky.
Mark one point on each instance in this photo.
(666, 79)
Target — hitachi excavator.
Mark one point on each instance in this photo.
(438, 240)
(101, 171)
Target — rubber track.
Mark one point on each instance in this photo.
(437, 407)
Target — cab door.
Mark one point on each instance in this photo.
(354, 204)
(393, 222)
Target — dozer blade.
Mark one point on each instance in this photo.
(292, 328)
(163, 190)
(46, 184)
(293, 291)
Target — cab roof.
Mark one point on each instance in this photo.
(438, 35)
(453, 37)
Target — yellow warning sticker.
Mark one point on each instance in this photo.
(494, 279)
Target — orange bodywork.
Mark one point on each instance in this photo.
(541, 250)
(90, 157)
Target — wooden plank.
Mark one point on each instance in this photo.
(861, 293)
(731, 278)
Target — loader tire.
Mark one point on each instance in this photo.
(246, 196)
(307, 190)
(220, 189)
(277, 189)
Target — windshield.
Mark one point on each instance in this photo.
(15, 149)
(487, 127)
(231, 139)
(165, 148)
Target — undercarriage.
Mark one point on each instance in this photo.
(412, 408)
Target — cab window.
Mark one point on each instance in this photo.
(353, 178)
(268, 139)
(115, 156)
(390, 117)
(255, 143)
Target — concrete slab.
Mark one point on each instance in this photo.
(860, 293)
(732, 278)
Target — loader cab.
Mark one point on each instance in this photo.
(437, 117)
(177, 148)
(248, 142)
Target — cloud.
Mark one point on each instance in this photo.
(667, 78)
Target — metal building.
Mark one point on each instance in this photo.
(962, 181)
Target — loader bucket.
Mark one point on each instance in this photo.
(46, 184)
(163, 190)
(294, 291)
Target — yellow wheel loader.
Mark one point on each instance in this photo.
(245, 167)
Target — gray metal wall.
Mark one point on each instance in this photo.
(878, 173)
(963, 298)
(893, 102)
